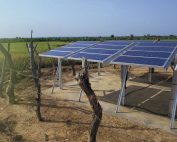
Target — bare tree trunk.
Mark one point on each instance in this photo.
(35, 73)
(83, 80)
(10, 88)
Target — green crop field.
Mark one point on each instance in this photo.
(19, 51)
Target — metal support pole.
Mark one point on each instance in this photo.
(83, 63)
(150, 75)
(80, 94)
(173, 99)
(121, 97)
(99, 64)
(60, 73)
(55, 79)
(58, 76)
(122, 81)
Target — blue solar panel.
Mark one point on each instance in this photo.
(162, 49)
(102, 46)
(168, 44)
(147, 54)
(95, 57)
(54, 54)
(65, 51)
(100, 51)
(140, 61)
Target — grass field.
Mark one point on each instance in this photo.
(19, 51)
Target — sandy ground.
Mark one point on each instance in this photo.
(66, 120)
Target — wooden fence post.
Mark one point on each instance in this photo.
(10, 88)
(83, 80)
(35, 73)
(2, 77)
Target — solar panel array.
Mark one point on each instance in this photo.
(141, 53)
(65, 51)
(102, 51)
(151, 54)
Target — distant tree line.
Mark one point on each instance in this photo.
(98, 38)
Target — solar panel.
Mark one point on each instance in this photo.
(154, 49)
(64, 51)
(143, 53)
(127, 60)
(148, 54)
(112, 47)
(101, 52)
(162, 44)
(54, 54)
(90, 56)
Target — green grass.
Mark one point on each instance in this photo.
(19, 51)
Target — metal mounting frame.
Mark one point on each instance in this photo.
(58, 76)
(80, 94)
(150, 75)
(173, 99)
(121, 96)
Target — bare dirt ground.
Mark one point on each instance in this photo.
(66, 121)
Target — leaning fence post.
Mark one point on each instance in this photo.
(10, 88)
(2, 76)
(35, 74)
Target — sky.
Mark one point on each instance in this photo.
(72, 18)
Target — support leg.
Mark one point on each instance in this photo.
(173, 99)
(55, 79)
(60, 73)
(80, 95)
(124, 70)
(58, 76)
(150, 75)
(173, 111)
(99, 69)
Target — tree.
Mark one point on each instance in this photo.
(83, 80)
(131, 37)
(112, 36)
